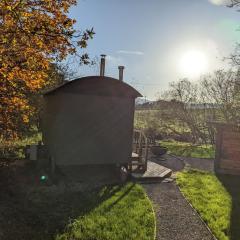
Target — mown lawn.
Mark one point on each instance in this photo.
(185, 149)
(217, 199)
(126, 214)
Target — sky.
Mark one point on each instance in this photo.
(158, 41)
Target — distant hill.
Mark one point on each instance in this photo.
(142, 103)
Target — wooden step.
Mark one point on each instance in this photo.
(135, 159)
(135, 155)
(154, 172)
(138, 163)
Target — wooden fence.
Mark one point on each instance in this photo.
(227, 156)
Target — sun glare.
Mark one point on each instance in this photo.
(193, 63)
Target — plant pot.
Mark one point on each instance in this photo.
(158, 150)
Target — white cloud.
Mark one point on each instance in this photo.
(130, 52)
(220, 2)
(115, 61)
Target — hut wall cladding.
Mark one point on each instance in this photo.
(227, 158)
(88, 129)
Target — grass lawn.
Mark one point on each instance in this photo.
(15, 149)
(188, 150)
(217, 199)
(126, 214)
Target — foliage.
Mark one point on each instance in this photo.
(155, 125)
(209, 197)
(33, 34)
(164, 123)
(187, 110)
(185, 149)
(222, 89)
(234, 3)
(235, 56)
(127, 214)
(16, 149)
(56, 75)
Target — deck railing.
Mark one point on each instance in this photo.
(140, 149)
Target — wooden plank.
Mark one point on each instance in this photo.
(227, 150)
(138, 164)
(218, 151)
(135, 155)
(229, 171)
(153, 171)
(229, 164)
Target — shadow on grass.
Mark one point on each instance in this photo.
(232, 185)
(122, 196)
(44, 212)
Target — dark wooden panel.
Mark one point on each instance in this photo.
(227, 150)
(84, 129)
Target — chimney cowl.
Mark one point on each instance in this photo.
(102, 65)
(121, 68)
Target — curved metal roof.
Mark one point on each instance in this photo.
(97, 85)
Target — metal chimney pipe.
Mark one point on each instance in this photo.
(102, 65)
(121, 68)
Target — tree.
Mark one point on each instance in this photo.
(235, 56)
(183, 111)
(57, 75)
(195, 106)
(33, 35)
(222, 89)
(233, 3)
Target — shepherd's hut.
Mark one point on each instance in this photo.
(89, 121)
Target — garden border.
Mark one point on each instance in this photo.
(204, 223)
(154, 215)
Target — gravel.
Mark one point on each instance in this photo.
(200, 163)
(178, 163)
(175, 217)
(172, 162)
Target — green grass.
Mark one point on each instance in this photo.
(152, 119)
(15, 149)
(210, 198)
(126, 214)
(188, 150)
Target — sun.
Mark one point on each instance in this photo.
(193, 63)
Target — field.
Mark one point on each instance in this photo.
(178, 124)
(172, 134)
(217, 200)
(184, 149)
(152, 121)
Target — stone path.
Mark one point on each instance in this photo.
(178, 163)
(175, 217)
(176, 220)
(200, 163)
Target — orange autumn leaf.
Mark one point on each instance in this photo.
(33, 35)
